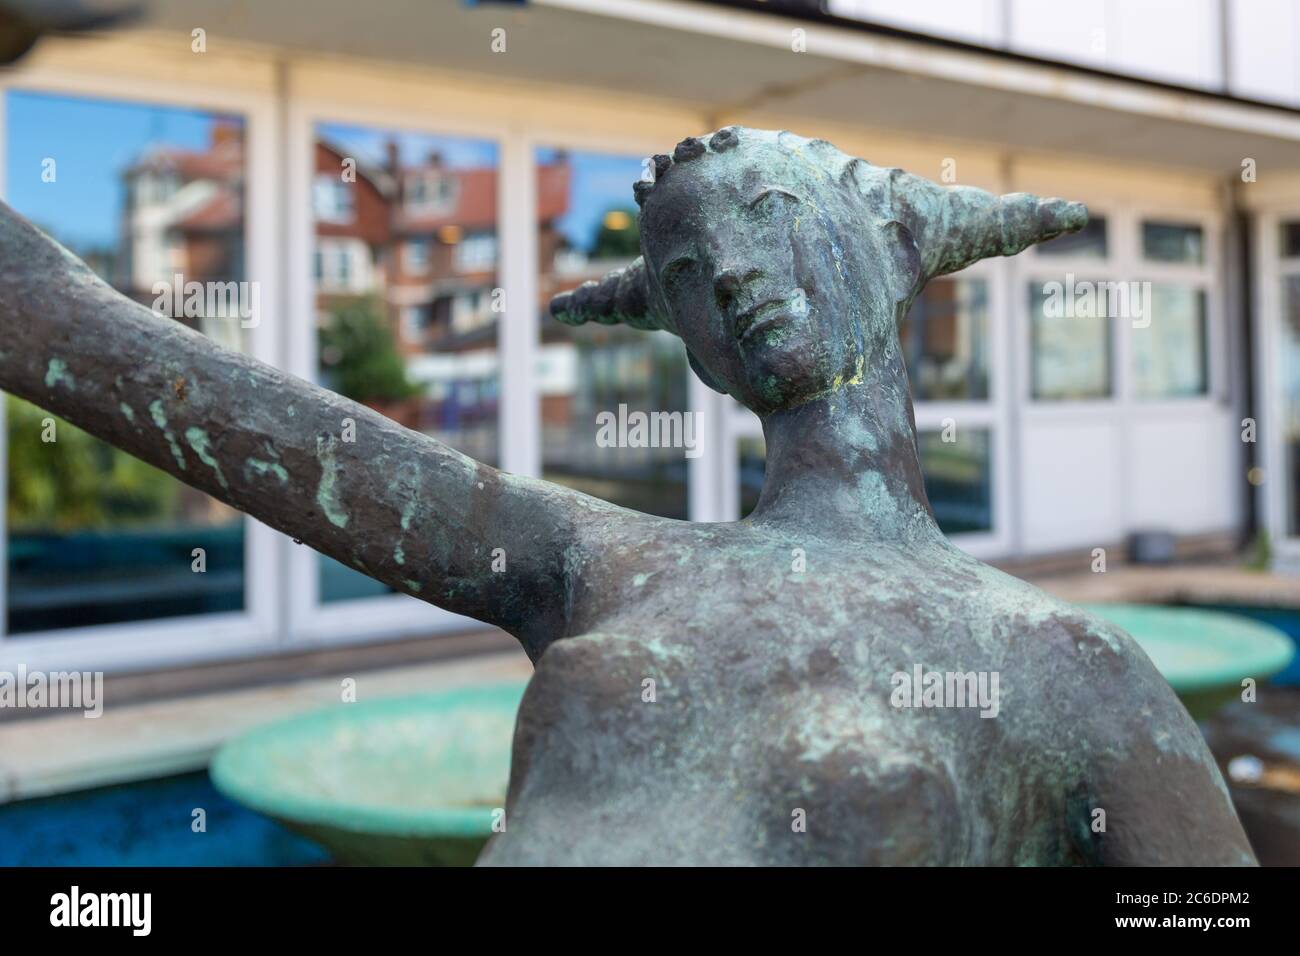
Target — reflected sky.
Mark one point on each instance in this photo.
(600, 182)
(92, 141)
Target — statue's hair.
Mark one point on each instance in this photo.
(950, 226)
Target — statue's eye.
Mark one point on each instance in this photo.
(678, 271)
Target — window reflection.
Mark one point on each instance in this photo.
(945, 341)
(588, 226)
(1290, 239)
(958, 477)
(145, 195)
(753, 457)
(407, 298)
(1070, 354)
(1088, 243)
(1172, 242)
(1169, 355)
(1290, 378)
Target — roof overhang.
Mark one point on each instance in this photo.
(723, 63)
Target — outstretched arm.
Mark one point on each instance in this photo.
(394, 504)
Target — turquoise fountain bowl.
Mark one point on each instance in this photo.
(1205, 655)
(405, 781)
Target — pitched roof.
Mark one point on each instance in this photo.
(475, 200)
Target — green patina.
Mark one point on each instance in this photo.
(56, 373)
(198, 440)
(160, 419)
(260, 467)
(327, 493)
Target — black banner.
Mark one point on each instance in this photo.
(333, 904)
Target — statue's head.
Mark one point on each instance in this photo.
(784, 264)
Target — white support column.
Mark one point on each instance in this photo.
(518, 332)
(706, 474)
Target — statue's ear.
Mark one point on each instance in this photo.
(703, 374)
(906, 259)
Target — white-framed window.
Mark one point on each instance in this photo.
(591, 371)
(1071, 347)
(1123, 419)
(1121, 311)
(443, 382)
(110, 583)
(412, 324)
(1276, 476)
(341, 265)
(415, 256)
(332, 198)
(476, 253)
(429, 192)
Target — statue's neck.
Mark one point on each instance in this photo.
(846, 462)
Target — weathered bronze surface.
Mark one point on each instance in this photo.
(776, 646)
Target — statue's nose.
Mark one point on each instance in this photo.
(727, 285)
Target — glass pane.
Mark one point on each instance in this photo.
(152, 198)
(1291, 239)
(753, 458)
(405, 262)
(1089, 242)
(1290, 383)
(945, 341)
(599, 375)
(958, 479)
(1172, 242)
(1069, 348)
(1169, 359)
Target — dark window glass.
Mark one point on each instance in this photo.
(150, 197)
(1089, 242)
(593, 375)
(1290, 239)
(1172, 242)
(945, 341)
(753, 458)
(1289, 362)
(958, 479)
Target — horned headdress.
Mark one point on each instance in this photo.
(951, 226)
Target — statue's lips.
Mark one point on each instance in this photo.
(762, 316)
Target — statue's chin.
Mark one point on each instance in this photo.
(788, 373)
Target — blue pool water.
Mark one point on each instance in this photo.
(148, 823)
(1285, 619)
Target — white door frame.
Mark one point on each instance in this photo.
(1123, 410)
(385, 617)
(1271, 495)
(177, 640)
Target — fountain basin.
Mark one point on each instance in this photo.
(1205, 655)
(403, 781)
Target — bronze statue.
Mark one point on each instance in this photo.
(826, 681)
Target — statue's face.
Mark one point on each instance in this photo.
(767, 266)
